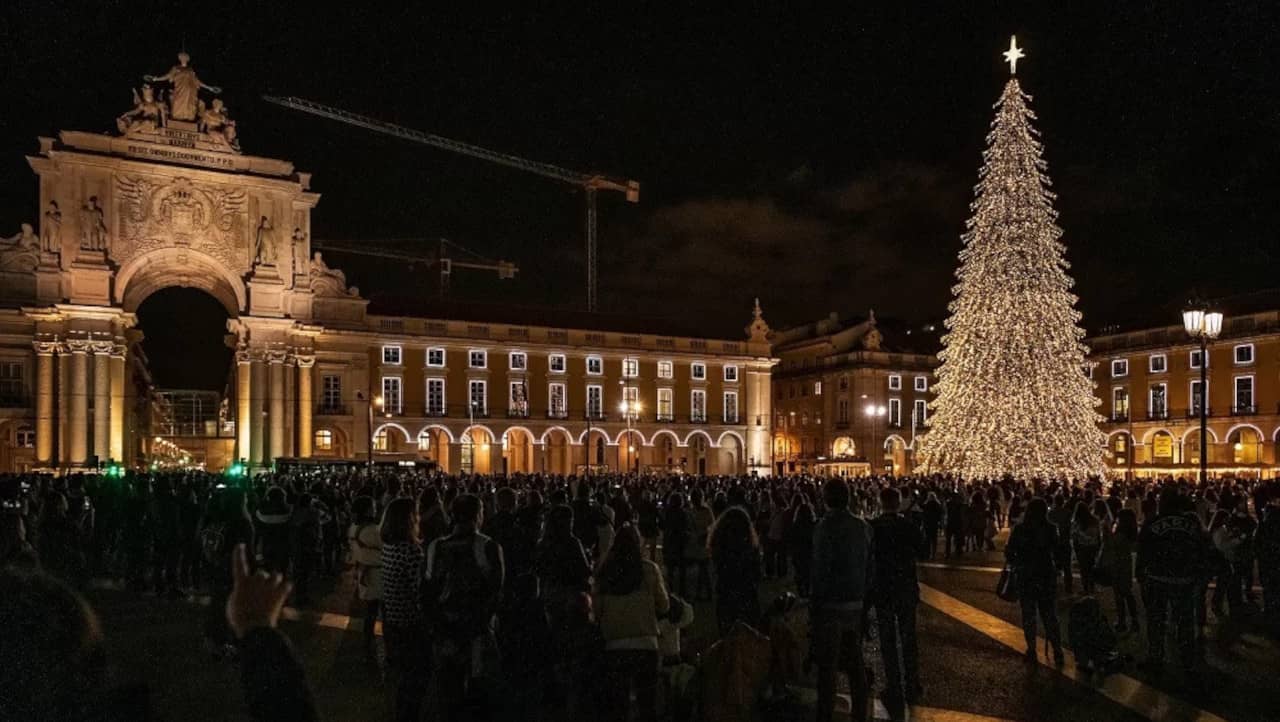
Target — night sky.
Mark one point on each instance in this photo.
(822, 162)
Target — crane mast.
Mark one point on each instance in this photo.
(590, 183)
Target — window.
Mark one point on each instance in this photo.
(323, 440)
(698, 406)
(595, 365)
(556, 406)
(817, 388)
(424, 440)
(1119, 404)
(804, 389)
(1119, 367)
(731, 407)
(1158, 363)
(1122, 443)
(665, 369)
(555, 363)
(731, 373)
(478, 359)
(842, 411)
(331, 392)
(895, 412)
(595, 401)
(518, 400)
(435, 358)
(922, 383)
(25, 438)
(392, 401)
(479, 398)
(517, 361)
(1158, 400)
(630, 402)
(380, 439)
(435, 397)
(1244, 395)
(665, 412)
(391, 355)
(1196, 397)
(920, 413)
(698, 371)
(895, 382)
(1193, 359)
(1244, 354)
(12, 385)
(844, 383)
(630, 368)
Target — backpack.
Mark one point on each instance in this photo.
(213, 542)
(460, 607)
(1088, 633)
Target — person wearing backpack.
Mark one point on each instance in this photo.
(461, 589)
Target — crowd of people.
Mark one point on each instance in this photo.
(568, 595)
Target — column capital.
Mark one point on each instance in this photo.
(46, 348)
(102, 348)
(78, 345)
(119, 351)
(276, 356)
(305, 361)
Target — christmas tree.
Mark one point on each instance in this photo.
(1012, 392)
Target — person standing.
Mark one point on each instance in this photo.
(1173, 550)
(676, 523)
(895, 593)
(932, 516)
(1030, 553)
(1061, 519)
(800, 543)
(228, 525)
(703, 520)
(1117, 552)
(404, 631)
(735, 554)
(842, 554)
(630, 597)
(365, 541)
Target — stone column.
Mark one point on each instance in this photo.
(64, 402)
(290, 408)
(44, 402)
(275, 446)
(78, 392)
(116, 450)
(102, 400)
(305, 405)
(244, 425)
(257, 405)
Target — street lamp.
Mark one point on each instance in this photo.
(874, 412)
(629, 410)
(1203, 325)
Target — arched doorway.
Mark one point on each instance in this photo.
(433, 445)
(1161, 448)
(1244, 443)
(476, 445)
(630, 450)
(330, 441)
(192, 401)
(698, 446)
(895, 452)
(518, 451)
(729, 454)
(1120, 446)
(557, 451)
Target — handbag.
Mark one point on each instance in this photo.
(1007, 586)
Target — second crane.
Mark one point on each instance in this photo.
(590, 183)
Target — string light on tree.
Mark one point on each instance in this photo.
(1012, 393)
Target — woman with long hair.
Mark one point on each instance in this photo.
(1030, 553)
(629, 598)
(735, 555)
(404, 631)
(365, 541)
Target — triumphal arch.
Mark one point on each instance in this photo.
(169, 199)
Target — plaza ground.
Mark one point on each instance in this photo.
(970, 641)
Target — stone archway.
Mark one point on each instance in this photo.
(149, 272)
(518, 451)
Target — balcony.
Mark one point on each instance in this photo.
(557, 414)
(698, 419)
(517, 413)
(595, 416)
(1244, 410)
(730, 420)
(667, 417)
(1119, 418)
(1194, 412)
(1158, 415)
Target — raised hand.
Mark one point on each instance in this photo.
(256, 598)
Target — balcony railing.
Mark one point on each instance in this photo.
(517, 413)
(557, 414)
(1119, 417)
(1194, 412)
(1157, 415)
(1244, 410)
(698, 419)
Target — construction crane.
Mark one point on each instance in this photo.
(590, 183)
(444, 260)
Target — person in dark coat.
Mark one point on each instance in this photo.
(932, 517)
(735, 555)
(227, 526)
(895, 593)
(1030, 553)
(800, 543)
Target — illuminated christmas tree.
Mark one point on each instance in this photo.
(1012, 392)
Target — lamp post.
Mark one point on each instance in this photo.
(629, 410)
(874, 412)
(375, 401)
(1204, 326)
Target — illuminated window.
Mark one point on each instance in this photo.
(630, 368)
(1122, 444)
(392, 401)
(698, 406)
(922, 383)
(517, 361)
(595, 365)
(895, 382)
(478, 359)
(595, 401)
(1119, 404)
(479, 398)
(665, 369)
(380, 440)
(817, 388)
(920, 413)
(391, 355)
(1193, 359)
(731, 373)
(731, 407)
(1119, 367)
(435, 397)
(1158, 363)
(25, 438)
(1244, 395)
(665, 412)
(556, 406)
(698, 371)
(1244, 354)
(324, 440)
(435, 358)
(1195, 395)
(895, 412)
(518, 400)
(555, 363)
(1158, 401)
(424, 440)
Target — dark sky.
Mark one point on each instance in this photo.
(820, 161)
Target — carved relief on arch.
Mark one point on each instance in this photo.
(156, 214)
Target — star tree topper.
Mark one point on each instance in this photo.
(1012, 55)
